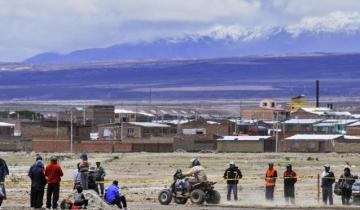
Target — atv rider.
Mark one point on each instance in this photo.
(196, 173)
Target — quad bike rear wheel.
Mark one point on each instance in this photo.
(165, 197)
(197, 197)
(180, 200)
(212, 197)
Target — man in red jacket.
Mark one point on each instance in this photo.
(53, 174)
(289, 184)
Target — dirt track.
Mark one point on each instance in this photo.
(142, 175)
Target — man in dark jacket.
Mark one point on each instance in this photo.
(327, 181)
(345, 182)
(232, 176)
(38, 182)
(92, 180)
(4, 171)
(38, 157)
(289, 184)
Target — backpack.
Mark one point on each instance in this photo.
(66, 204)
(337, 189)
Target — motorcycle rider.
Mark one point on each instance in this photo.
(196, 173)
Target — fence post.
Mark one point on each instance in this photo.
(318, 187)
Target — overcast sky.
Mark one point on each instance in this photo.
(29, 27)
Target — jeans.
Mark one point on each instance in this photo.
(120, 200)
(269, 193)
(327, 195)
(101, 187)
(234, 189)
(345, 197)
(289, 194)
(36, 197)
(52, 192)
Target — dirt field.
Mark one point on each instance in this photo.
(143, 175)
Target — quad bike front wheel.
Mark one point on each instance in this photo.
(197, 197)
(180, 200)
(212, 197)
(165, 197)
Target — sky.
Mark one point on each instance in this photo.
(30, 27)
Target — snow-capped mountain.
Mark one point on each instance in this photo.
(338, 32)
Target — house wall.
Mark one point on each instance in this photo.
(305, 146)
(301, 114)
(240, 146)
(347, 146)
(355, 131)
(225, 128)
(194, 143)
(15, 144)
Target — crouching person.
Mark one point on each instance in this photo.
(79, 198)
(113, 195)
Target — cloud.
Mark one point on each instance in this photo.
(334, 22)
(35, 26)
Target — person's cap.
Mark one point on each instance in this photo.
(53, 158)
(347, 168)
(232, 163)
(327, 165)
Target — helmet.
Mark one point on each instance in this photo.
(195, 162)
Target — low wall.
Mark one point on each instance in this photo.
(240, 146)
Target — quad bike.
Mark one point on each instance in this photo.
(198, 193)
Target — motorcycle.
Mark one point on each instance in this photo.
(198, 193)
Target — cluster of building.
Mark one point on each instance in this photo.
(297, 127)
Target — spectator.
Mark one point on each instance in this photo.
(83, 167)
(327, 181)
(113, 196)
(92, 180)
(38, 182)
(79, 198)
(53, 172)
(289, 184)
(100, 177)
(345, 182)
(4, 171)
(232, 176)
(270, 181)
(38, 157)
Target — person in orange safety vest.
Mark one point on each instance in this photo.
(270, 181)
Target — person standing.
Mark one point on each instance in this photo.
(53, 172)
(345, 182)
(38, 157)
(83, 167)
(4, 171)
(232, 176)
(113, 195)
(100, 177)
(327, 181)
(289, 184)
(270, 181)
(38, 182)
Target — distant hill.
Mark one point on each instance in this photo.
(185, 79)
(213, 45)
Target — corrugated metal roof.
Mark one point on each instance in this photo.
(149, 124)
(243, 138)
(354, 124)
(313, 137)
(348, 137)
(4, 124)
(302, 121)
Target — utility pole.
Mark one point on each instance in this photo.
(71, 132)
(277, 131)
